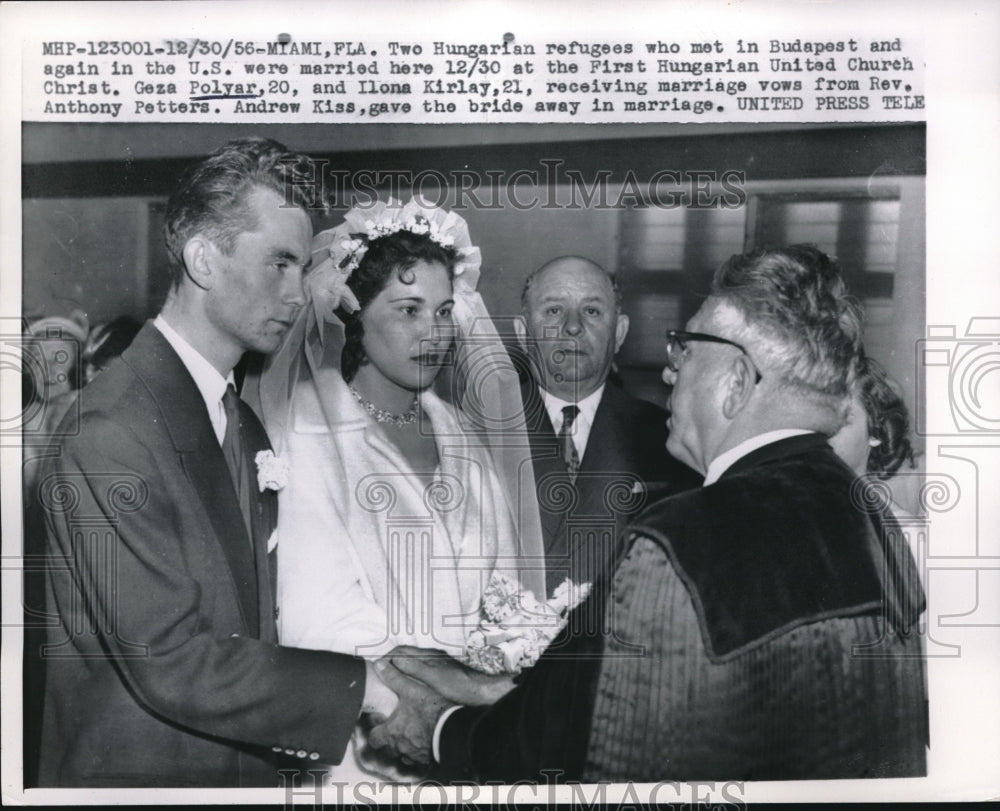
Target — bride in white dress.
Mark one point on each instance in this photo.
(401, 502)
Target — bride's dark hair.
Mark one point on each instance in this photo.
(395, 253)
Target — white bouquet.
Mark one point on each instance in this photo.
(515, 627)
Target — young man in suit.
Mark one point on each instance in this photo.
(163, 668)
(585, 431)
(762, 626)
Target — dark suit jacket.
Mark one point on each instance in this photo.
(625, 460)
(163, 667)
(759, 628)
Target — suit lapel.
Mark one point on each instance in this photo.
(186, 418)
(606, 463)
(550, 472)
(607, 440)
(210, 479)
(264, 520)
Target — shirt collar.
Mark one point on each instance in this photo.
(588, 406)
(210, 383)
(584, 420)
(721, 463)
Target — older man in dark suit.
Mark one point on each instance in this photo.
(596, 449)
(163, 668)
(763, 626)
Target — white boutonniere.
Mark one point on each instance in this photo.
(272, 471)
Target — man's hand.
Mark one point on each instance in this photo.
(409, 731)
(450, 678)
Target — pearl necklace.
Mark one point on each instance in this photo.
(387, 417)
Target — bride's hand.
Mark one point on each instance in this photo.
(450, 678)
(379, 700)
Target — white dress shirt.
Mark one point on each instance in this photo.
(210, 383)
(721, 463)
(580, 430)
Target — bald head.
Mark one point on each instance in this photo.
(572, 325)
(572, 265)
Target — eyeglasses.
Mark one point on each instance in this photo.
(677, 341)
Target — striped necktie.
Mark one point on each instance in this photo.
(567, 448)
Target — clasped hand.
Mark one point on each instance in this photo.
(427, 682)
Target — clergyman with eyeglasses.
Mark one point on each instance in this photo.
(763, 626)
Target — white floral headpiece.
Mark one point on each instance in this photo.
(338, 252)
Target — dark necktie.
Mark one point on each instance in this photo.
(232, 449)
(566, 447)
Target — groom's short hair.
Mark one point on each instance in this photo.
(212, 196)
